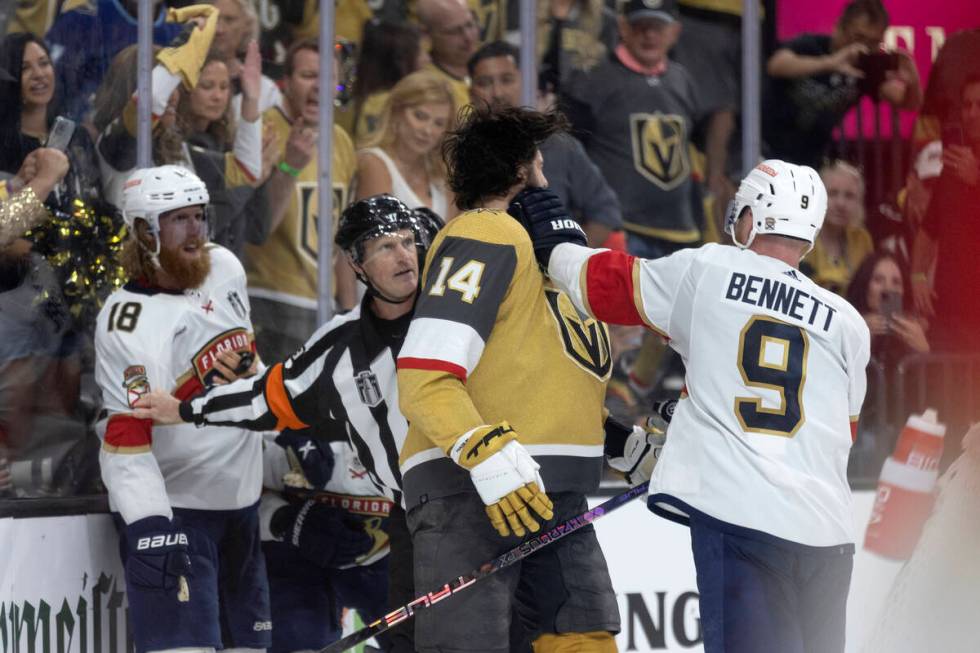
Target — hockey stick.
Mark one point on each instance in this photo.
(519, 552)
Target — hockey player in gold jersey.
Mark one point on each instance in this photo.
(502, 383)
(282, 272)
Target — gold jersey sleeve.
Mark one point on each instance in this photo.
(284, 267)
(491, 341)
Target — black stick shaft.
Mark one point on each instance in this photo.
(519, 552)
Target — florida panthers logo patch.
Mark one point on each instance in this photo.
(136, 383)
(368, 388)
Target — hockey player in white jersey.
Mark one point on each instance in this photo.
(185, 498)
(755, 462)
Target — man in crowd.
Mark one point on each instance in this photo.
(635, 112)
(490, 430)
(775, 382)
(282, 272)
(496, 81)
(816, 79)
(185, 501)
(455, 36)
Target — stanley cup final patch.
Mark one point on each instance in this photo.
(368, 388)
(136, 383)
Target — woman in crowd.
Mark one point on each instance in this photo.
(193, 127)
(389, 51)
(843, 242)
(404, 158)
(877, 291)
(76, 239)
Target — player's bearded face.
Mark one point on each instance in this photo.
(183, 235)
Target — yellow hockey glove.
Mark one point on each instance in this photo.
(506, 478)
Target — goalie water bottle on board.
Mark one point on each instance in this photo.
(906, 488)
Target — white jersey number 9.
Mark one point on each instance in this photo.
(772, 355)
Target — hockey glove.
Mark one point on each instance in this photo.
(506, 477)
(547, 221)
(633, 450)
(326, 536)
(157, 556)
(310, 459)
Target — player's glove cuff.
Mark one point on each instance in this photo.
(547, 221)
(158, 555)
(477, 445)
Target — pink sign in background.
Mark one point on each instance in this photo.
(916, 26)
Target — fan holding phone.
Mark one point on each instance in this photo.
(877, 291)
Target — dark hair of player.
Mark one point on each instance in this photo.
(485, 153)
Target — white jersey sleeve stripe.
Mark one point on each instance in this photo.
(446, 341)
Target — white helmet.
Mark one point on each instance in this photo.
(786, 200)
(151, 191)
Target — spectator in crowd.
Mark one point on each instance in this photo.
(205, 116)
(389, 51)
(950, 231)
(572, 36)
(80, 221)
(496, 77)
(238, 25)
(21, 196)
(404, 158)
(455, 35)
(710, 48)
(877, 291)
(815, 81)
(635, 112)
(28, 113)
(282, 272)
(843, 242)
(85, 38)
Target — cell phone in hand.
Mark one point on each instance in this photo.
(61, 132)
(953, 134)
(891, 305)
(875, 66)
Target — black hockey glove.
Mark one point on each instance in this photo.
(157, 555)
(314, 457)
(633, 450)
(326, 536)
(547, 221)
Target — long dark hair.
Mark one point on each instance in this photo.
(13, 146)
(857, 290)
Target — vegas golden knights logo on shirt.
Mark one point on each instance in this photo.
(586, 340)
(660, 148)
(309, 227)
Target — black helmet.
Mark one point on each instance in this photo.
(372, 217)
(431, 223)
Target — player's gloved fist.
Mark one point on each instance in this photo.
(506, 478)
(633, 450)
(326, 536)
(158, 555)
(309, 457)
(547, 221)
